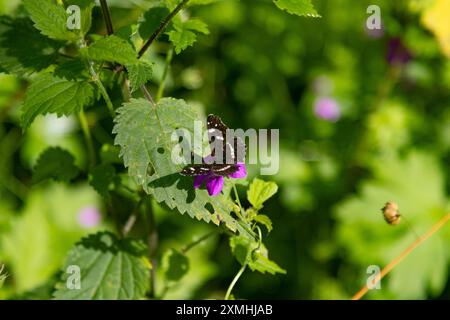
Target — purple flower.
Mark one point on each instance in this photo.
(327, 109)
(214, 183)
(397, 53)
(89, 217)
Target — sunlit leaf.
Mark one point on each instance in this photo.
(111, 269)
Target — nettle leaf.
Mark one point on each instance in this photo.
(50, 19)
(184, 34)
(18, 38)
(55, 163)
(260, 191)
(139, 73)
(175, 265)
(113, 49)
(110, 269)
(151, 20)
(144, 133)
(248, 251)
(73, 69)
(103, 178)
(51, 94)
(297, 7)
(86, 7)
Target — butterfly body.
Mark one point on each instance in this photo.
(228, 163)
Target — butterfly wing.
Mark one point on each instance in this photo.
(196, 170)
(218, 130)
(224, 169)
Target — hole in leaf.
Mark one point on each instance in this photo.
(160, 150)
(209, 207)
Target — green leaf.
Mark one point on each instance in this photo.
(183, 35)
(103, 179)
(113, 49)
(260, 262)
(73, 69)
(297, 7)
(51, 94)
(139, 73)
(144, 133)
(264, 220)
(49, 18)
(247, 251)
(175, 265)
(111, 269)
(260, 191)
(151, 20)
(18, 38)
(86, 7)
(55, 163)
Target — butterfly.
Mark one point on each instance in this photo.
(233, 150)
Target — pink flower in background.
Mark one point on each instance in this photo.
(89, 217)
(214, 183)
(327, 109)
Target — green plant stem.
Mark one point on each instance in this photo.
(161, 27)
(162, 85)
(102, 89)
(235, 280)
(88, 137)
(98, 82)
(148, 95)
(198, 241)
(241, 212)
(107, 17)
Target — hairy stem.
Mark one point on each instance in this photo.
(162, 85)
(391, 265)
(132, 219)
(235, 280)
(88, 137)
(98, 82)
(107, 17)
(161, 27)
(103, 91)
(148, 95)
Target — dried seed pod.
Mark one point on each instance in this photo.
(391, 213)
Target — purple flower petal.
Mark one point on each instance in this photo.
(199, 180)
(397, 53)
(241, 173)
(89, 217)
(327, 109)
(214, 185)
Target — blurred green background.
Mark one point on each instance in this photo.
(364, 118)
